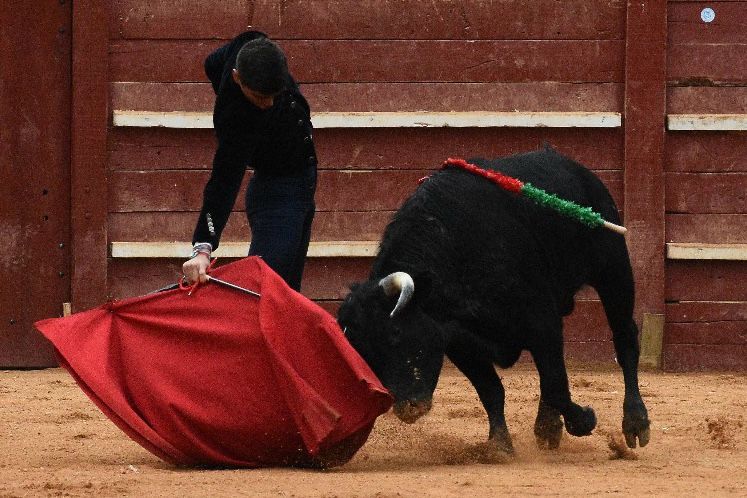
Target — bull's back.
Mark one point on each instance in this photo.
(471, 229)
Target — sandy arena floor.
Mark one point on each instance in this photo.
(54, 442)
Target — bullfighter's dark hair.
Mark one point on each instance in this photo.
(262, 66)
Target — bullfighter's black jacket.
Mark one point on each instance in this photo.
(274, 142)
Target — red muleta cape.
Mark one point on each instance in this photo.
(221, 378)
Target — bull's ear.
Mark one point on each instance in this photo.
(424, 282)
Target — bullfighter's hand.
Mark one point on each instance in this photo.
(195, 269)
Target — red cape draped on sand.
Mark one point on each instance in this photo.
(221, 378)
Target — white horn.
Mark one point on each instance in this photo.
(398, 283)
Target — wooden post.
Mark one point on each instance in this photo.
(652, 336)
(644, 123)
(88, 153)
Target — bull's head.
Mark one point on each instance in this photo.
(384, 321)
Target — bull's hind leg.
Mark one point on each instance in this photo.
(481, 373)
(615, 289)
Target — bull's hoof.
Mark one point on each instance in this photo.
(581, 422)
(548, 434)
(410, 411)
(500, 440)
(548, 427)
(635, 424)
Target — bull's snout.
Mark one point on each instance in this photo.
(409, 411)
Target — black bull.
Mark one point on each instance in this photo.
(470, 271)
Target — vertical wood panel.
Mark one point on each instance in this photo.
(88, 162)
(34, 162)
(645, 95)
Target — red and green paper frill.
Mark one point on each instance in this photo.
(570, 209)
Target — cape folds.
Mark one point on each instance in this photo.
(221, 378)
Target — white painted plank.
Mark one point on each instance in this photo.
(466, 119)
(707, 122)
(729, 252)
(175, 119)
(183, 119)
(321, 249)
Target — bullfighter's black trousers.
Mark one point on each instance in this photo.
(280, 210)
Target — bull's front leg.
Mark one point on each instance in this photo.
(548, 357)
(470, 359)
(548, 427)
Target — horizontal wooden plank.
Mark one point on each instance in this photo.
(350, 225)
(178, 226)
(554, 96)
(330, 306)
(390, 97)
(348, 61)
(377, 148)
(161, 97)
(705, 280)
(418, 119)
(707, 122)
(707, 99)
(317, 249)
(587, 323)
(707, 228)
(733, 332)
(366, 191)
(441, 19)
(337, 191)
(706, 152)
(710, 357)
(163, 19)
(138, 149)
(322, 19)
(706, 192)
(685, 24)
(706, 311)
(690, 250)
(589, 352)
(133, 191)
(170, 119)
(699, 64)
